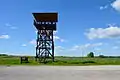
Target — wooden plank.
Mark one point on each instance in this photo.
(46, 17)
(46, 26)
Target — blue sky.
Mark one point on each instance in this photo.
(83, 26)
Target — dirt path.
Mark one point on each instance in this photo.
(60, 73)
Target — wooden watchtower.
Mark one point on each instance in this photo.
(45, 24)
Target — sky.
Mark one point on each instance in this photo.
(83, 26)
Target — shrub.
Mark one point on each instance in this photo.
(91, 55)
(101, 56)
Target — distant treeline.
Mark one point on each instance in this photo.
(102, 56)
(4, 55)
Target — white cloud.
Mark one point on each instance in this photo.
(98, 33)
(77, 50)
(24, 45)
(16, 54)
(59, 48)
(97, 44)
(115, 47)
(58, 38)
(97, 49)
(4, 36)
(88, 45)
(33, 42)
(116, 5)
(103, 7)
(62, 40)
(36, 32)
(13, 27)
(10, 26)
(76, 47)
(55, 32)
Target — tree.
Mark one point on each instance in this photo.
(91, 54)
(3, 55)
(101, 56)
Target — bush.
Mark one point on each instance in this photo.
(91, 55)
(101, 56)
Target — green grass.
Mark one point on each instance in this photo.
(12, 60)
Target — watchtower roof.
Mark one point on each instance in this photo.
(46, 17)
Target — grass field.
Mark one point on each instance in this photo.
(13, 60)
